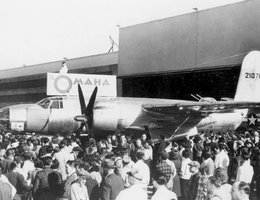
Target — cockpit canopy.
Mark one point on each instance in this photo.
(51, 102)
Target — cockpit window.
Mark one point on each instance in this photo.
(52, 103)
(45, 103)
(55, 104)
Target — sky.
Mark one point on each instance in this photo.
(40, 31)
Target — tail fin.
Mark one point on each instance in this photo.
(248, 88)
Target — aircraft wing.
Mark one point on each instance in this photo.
(183, 116)
(199, 107)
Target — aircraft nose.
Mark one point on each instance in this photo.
(4, 117)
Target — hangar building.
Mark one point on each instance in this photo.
(196, 53)
(200, 52)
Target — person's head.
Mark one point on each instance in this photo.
(138, 142)
(13, 166)
(216, 149)
(186, 153)
(82, 177)
(163, 155)
(194, 166)
(84, 166)
(207, 155)
(38, 163)
(70, 167)
(27, 156)
(139, 155)
(49, 149)
(222, 146)
(221, 175)
(122, 139)
(219, 178)
(109, 139)
(134, 177)
(159, 180)
(47, 161)
(245, 154)
(1, 138)
(113, 137)
(77, 150)
(55, 164)
(240, 190)
(10, 154)
(144, 137)
(128, 138)
(108, 166)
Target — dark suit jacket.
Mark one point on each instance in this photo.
(6, 165)
(111, 186)
(93, 188)
(17, 180)
(41, 185)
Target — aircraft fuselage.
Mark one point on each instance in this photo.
(56, 115)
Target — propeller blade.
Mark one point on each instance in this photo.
(87, 111)
(90, 106)
(81, 99)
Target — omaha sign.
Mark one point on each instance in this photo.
(67, 84)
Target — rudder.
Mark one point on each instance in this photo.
(248, 87)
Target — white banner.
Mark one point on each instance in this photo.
(67, 84)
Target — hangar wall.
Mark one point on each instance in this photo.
(203, 39)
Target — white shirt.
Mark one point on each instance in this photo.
(222, 160)
(5, 179)
(125, 169)
(28, 166)
(185, 168)
(144, 170)
(245, 172)
(78, 192)
(136, 192)
(62, 156)
(162, 193)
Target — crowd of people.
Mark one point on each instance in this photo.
(209, 166)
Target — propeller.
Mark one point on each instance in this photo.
(86, 117)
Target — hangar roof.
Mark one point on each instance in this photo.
(72, 64)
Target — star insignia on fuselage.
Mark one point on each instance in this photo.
(251, 119)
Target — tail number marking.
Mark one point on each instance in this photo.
(252, 75)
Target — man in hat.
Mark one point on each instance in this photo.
(137, 189)
(78, 190)
(111, 184)
(91, 183)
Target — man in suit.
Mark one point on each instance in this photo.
(111, 184)
(41, 189)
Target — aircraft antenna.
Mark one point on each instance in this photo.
(195, 97)
(199, 96)
(113, 43)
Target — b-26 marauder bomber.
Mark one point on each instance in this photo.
(172, 118)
